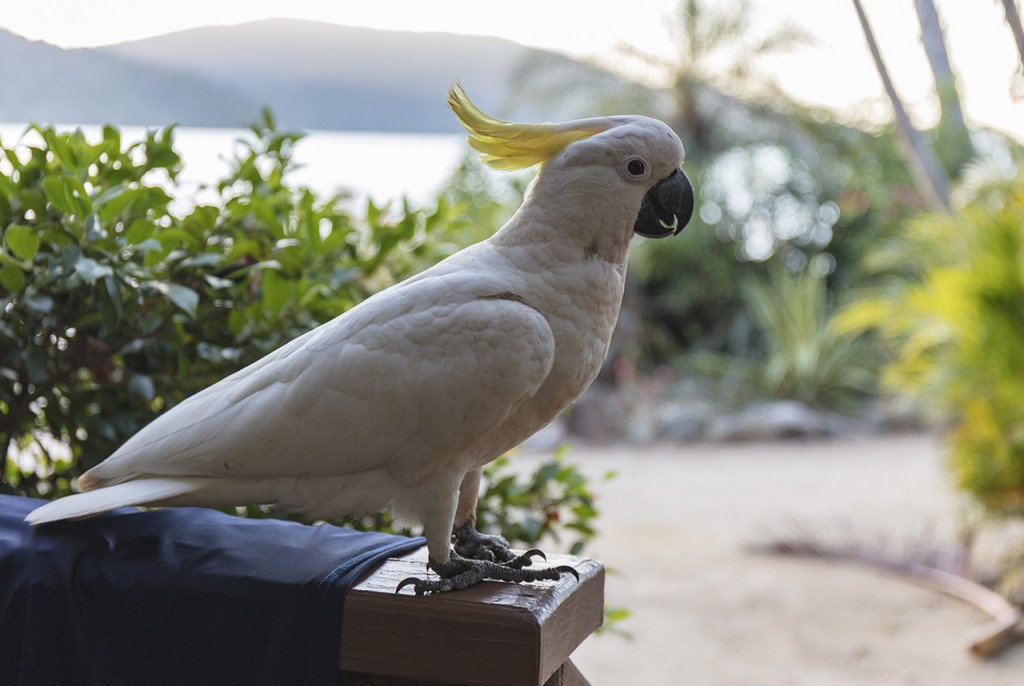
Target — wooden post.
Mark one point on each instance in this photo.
(495, 634)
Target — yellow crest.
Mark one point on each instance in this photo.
(507, 145)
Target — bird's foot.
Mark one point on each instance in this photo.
(473, 545)
(459, 573)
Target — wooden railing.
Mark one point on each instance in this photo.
(495, 634)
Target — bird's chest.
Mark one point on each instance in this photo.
(581, 304)
(582, 313)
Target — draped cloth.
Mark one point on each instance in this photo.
(176, 596)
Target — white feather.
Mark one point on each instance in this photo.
(119, 495)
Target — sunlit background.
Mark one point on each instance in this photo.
(835, 71)
(831, 355)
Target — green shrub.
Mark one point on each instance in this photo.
(555, 499)
(954, 319)
(800, 353)
(806, 357)
(119, 300)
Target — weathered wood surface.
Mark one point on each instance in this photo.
(496, 633)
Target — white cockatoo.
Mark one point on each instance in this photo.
(404, 398)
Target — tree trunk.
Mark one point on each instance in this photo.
(1013, 19)
(953, 141)
(921, 160)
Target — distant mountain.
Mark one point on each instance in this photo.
(311, 75)
(44, 83)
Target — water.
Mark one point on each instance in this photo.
(382, 166)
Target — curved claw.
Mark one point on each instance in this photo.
(409, 581)
(566, 569)
(524, 560)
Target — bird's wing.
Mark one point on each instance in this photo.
(405, 381)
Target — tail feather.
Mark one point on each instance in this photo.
(102, 500)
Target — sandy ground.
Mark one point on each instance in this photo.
(705, 610)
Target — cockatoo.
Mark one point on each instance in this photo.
(403, 399)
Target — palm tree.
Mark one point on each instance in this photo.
(706, 35)
(920, 158)
(1012, 16)
(953, 140)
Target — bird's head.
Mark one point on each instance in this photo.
(630, 157)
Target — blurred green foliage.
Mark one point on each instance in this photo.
(801, 353)
(806, 356)
(555, 500)
(781, 188)
(952, 312)
(119, 301)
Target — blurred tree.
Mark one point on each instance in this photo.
(717, 49)
(932, 178)
(952, 138)
(775, 181)
(1012, 16)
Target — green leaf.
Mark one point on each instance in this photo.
(67, 194)
(91, 270)
(11, 278)
(149, 245)
(110, 305)
(202, 260)
(83, 153)
(112, 139)
(23, 241)
(584, 511)
(58, 145)
(54, 188)
(112, 202)
(545, 474)
(201, 222)
(217, 283)
(266, 265)
(238, 320)
(171, 238)
(182, 296)
(160, 152)
(142, 386)
(275, 292)
(153, 256)
(139, 231)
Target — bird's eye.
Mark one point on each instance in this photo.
(636, 167)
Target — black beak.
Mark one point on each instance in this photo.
(666, 208)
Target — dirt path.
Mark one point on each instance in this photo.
(707, 612)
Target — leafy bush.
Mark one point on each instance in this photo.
(118, 303)
(954, 318)
(806, 356)
(555, 498)
(800, 353)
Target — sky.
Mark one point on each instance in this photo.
(835, 72)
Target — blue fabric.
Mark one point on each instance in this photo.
(176, 596)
